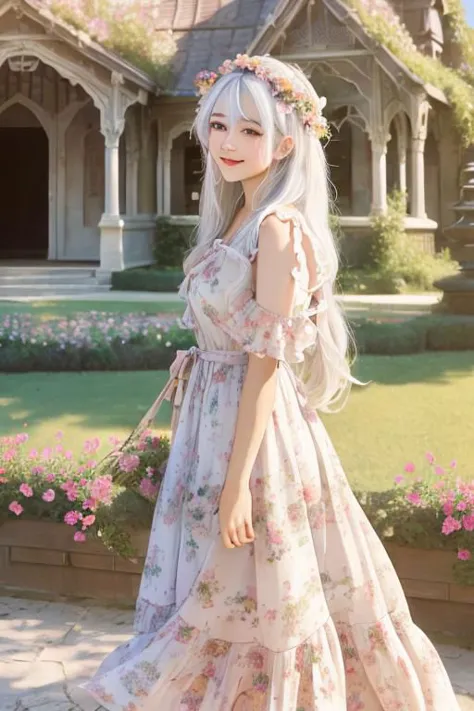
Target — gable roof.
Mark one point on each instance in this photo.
(209, 31)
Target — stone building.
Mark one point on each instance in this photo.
(91, 149)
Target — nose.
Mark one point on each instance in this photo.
(227, 144)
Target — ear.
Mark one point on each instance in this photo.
(284, 148)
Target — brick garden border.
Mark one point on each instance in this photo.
(42, 557)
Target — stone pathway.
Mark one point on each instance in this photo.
(48, 648)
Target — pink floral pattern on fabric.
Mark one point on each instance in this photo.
(309, 617)
(264, 333)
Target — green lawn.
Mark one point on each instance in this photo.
(57, 309)
(417, 403)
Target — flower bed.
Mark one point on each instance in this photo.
(111, 341)
(80, 527)
(93, 340)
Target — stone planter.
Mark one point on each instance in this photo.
(42, 557)
(437, 602)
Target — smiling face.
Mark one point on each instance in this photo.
(239, 148)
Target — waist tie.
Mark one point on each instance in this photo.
(180, 370)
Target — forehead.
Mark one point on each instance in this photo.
(236, 104)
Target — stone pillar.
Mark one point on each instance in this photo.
(418, 207)
(111, 224)
(132, 162)
(419, 120)
(402, 135)
(379, 137)
(379, 171)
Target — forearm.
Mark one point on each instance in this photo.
(255, 407)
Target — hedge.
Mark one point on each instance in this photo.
(141, 345)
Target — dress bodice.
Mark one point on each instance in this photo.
(222, 310)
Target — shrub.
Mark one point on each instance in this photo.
(389, 338)
(173, 238)
(397, 261)
(435, 510)
(52, 485)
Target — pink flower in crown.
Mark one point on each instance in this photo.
(283, 108)
(241, 61)
(226, 67)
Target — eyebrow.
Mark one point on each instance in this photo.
(243, 119)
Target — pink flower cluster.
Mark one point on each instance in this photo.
(73, 481)
(74, 490)
(446, 492)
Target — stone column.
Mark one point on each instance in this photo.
(167, 177)
(379, 171)
(379, 138)
(133, 157)
(111, 224)
(402, 133)
(419, 119)
(418, 208)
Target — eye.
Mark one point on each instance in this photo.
(216, 125)
(251, 132)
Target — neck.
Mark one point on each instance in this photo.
(250, 187)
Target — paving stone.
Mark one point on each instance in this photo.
(54, 647)
(28, 625)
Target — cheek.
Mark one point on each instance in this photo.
(261, 152)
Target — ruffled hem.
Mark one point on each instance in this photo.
(389, 664)
(265, 333)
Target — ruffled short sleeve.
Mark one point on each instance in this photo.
(260, 331)
(265, 333)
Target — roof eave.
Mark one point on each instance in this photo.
(93, 50)
(276, 23)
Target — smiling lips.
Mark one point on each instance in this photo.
(229, 161)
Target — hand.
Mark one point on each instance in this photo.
(235, 516)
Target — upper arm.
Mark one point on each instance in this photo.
(275, 284)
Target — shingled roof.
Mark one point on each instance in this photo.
(208, 31)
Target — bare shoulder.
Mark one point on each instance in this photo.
(275, 232)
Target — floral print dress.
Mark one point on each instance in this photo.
(309, 617)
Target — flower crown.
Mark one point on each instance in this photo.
(287, 98)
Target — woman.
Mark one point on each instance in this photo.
(265, 588)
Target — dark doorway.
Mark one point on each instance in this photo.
(24, 177)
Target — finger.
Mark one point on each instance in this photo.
(226, 540)
(249, 530)
(234, 537)
(242, 533)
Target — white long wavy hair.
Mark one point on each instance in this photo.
(300, 179)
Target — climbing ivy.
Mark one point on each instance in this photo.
(384, 26)
(123, 26)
